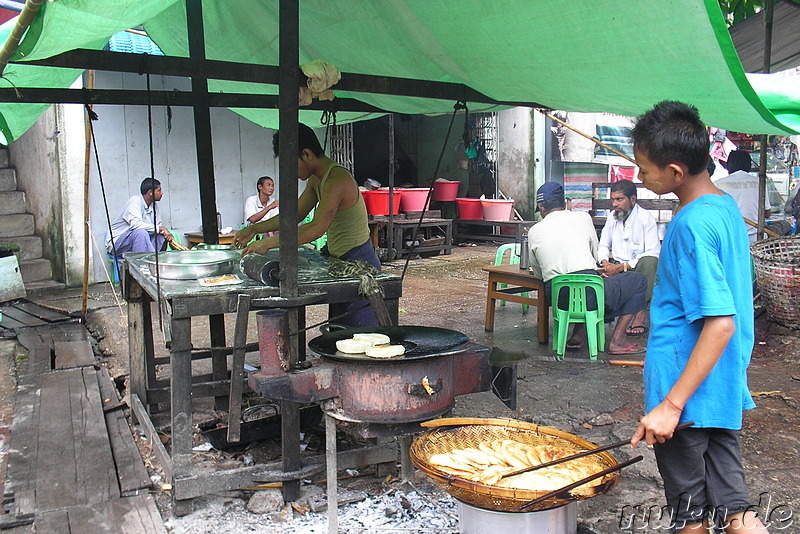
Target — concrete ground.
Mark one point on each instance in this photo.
(596, 401)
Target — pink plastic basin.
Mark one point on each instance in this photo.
(497, 209)
(445, 191)
(414, 198)
(469, 208)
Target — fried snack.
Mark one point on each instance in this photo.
(384, 351)
(353, 346)
(377, 339)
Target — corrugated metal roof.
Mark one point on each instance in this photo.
(748, 38)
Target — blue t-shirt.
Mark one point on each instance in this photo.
(703, 271)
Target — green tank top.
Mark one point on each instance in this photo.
(349, 227)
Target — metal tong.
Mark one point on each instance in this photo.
(589, 452)
(574, 485)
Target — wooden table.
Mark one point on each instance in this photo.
(182, 300)
(520, 228)
(197, 237)
(519, 281)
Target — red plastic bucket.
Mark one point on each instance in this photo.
(495, 209)
(445, 191)
(469, 209)
(414, 198)
(377, 201)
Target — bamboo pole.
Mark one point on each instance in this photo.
(86, 168)
(23, 21)
(587, 136)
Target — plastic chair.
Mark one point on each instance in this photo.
(513, 249)
(577, 285)
(320, 241)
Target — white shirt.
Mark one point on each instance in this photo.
(627, 241)
(743, 187)
(563, 242)
(253, 205)
(135, 215)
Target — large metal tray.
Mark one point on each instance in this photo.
(419, 341)
(192, 264)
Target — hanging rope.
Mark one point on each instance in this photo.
(456, 108)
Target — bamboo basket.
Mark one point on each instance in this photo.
(469, 432)
(776, 262)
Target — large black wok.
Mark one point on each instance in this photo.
(419, 341)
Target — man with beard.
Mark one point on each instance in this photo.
(629, 242)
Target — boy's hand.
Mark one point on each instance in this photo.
(658, 425)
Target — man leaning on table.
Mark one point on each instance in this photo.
(629, 242)
(565, 242)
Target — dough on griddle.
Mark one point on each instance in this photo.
(353, 346)
(377, 339)
(385, 351)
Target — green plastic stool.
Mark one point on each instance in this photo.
(513, 260)
(577, 285)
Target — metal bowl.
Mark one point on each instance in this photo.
(210, 246)
(192, 264)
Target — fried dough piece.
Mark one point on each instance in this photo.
(377, 339)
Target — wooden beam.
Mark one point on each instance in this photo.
(248, 72)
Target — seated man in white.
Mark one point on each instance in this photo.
(629, 242)
(263, 205)
(134, 229)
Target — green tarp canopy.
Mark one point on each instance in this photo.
(617, 56)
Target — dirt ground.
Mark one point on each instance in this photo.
(596, 401)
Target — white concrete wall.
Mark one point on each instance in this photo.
(242, 153)
(515, 161)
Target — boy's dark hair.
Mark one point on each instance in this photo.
(626, 186)
(673, 132)
(306, 138)
(148, 184)
(739, 160)
(263, 179)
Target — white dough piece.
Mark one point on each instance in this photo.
(377, 339)
(385, 351)
(353, 346)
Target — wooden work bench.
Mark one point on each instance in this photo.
(519, 228)
(180, 301)
(518, 281)
(403, 231)
(196, 238)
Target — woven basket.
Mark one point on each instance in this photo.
(471, 432)
(777, 267)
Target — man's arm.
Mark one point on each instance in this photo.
(659, 424)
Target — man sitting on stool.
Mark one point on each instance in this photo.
(133, 229)
(629, 242)
(565, 242)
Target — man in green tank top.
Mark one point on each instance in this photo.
(340, 211)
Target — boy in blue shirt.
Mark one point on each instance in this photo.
(701, 330)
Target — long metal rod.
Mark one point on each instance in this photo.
(768, 14)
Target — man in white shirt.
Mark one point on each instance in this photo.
(629, 242)
(743, 187)
(263, 205)
(565, 242)
(134, 229)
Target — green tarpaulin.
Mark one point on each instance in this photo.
(617, 56)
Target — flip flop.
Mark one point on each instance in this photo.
(574, 346)
(636, 331)
(633, 349)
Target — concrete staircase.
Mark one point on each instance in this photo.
(16, 226)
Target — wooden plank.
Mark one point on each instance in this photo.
(54, 521)
(39, 351)
(131, 472)
(22, 316)
(23, 450)
(94, 461)
(155, 441)
(56, 472)
(48, 314)
(134, 515)
(73, 354)
(10, 323)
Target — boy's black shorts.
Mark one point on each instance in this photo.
(703, 475)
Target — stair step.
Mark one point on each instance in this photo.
(12, 202)
(4, 158)
(8, 180)
(16, 225)
(35, 270)
(42, 287)
(30, 246)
